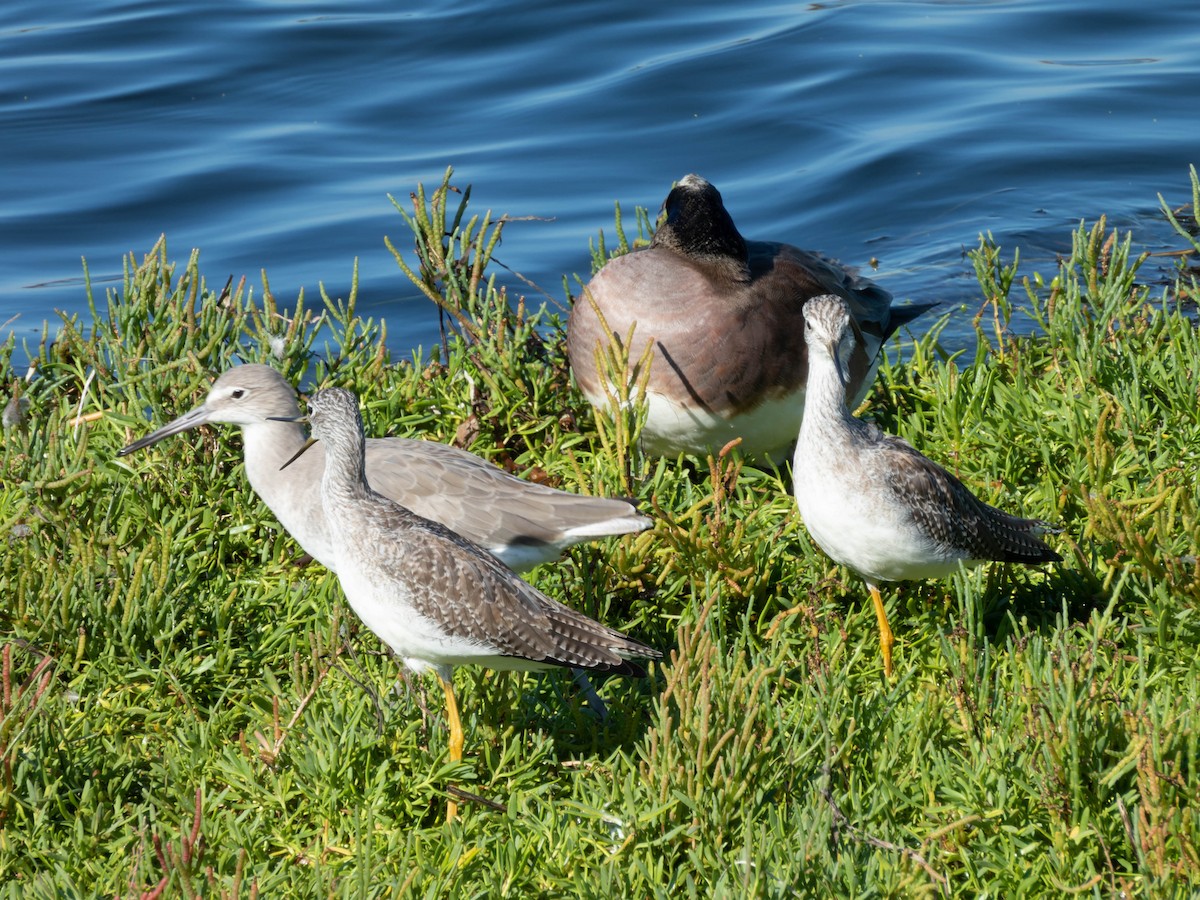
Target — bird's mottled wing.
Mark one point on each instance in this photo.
(954, 518)
(468, 593)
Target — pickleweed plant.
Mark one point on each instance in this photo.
(187, 708)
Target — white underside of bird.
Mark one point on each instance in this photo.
(772, 423)
(857, 529)
(670, 425)
(416, 639)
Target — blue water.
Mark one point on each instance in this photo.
(268, 134)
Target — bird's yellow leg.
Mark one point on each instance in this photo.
(456, 735)
(885, 631)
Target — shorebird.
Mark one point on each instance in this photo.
(435, 598)
(876, 505)
(726, 320)
(522, 523)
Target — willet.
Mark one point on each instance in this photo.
(522, 523)
(876, 505)
(725, 317)
(437, 599)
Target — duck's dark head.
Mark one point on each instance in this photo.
(697, 223)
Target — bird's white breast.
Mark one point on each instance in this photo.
(860, 525)
(390, 607)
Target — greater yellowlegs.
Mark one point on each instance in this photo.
(522, 523)
(725, 317)
(437, 599)
(876, 505)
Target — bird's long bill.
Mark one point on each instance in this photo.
(298, 453)
(186, 422)
(841, 364)
(843, 352)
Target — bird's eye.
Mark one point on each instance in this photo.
(238, 394)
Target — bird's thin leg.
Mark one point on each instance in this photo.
(456, 734)
(589, 692)
(885, 631)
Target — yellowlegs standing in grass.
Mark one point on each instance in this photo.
(876, 505)
(522, 523)
(437, 599)
(725, 316)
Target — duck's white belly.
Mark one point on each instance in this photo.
(768, 430)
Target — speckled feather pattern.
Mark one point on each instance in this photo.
(945, 510)
(435, 597)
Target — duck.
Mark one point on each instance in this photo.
(725, 319)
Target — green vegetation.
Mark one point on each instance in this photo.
(185, 710)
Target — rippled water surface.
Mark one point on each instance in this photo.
(269, 134)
